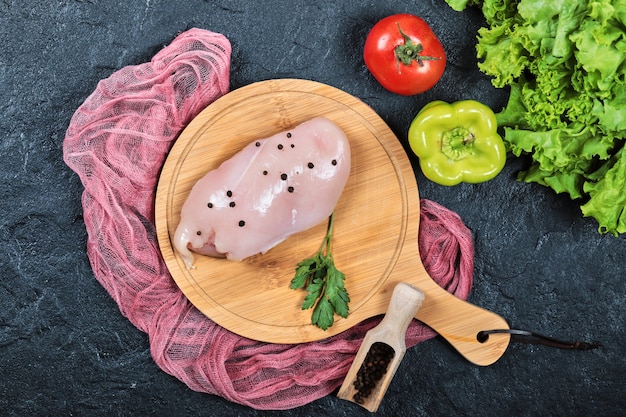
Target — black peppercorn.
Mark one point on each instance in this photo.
(372, 369)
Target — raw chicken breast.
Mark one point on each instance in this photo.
(269, 190)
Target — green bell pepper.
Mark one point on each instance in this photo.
(457, 142)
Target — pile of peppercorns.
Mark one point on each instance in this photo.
(372, 370)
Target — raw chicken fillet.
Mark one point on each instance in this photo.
(271, 189)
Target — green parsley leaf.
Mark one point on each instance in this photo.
(302, 274)
(323, 314)
(324, 284)
(336, 292)
(314, 291)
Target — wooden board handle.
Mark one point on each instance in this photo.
(459, 322)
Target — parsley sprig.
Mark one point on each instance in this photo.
(324, 284)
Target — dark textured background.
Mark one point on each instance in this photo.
(66, 350)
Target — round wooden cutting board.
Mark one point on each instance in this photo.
(375, 232)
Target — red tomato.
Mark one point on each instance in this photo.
(404, 55)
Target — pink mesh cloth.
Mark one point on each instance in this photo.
(116, 142)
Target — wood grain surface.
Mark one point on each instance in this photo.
(375, 232)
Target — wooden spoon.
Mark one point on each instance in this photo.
(382, 349)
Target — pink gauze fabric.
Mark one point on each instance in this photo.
(117, 142)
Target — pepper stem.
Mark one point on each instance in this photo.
(410, 51)
(457, 143)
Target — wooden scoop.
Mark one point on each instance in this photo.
(382, 349)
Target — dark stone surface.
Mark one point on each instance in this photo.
(66, 350)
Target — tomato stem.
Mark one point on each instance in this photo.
(410, 51)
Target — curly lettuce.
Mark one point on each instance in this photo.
(565, 64)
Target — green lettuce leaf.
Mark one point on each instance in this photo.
(607, 196)
(459, 5)
(565, 64)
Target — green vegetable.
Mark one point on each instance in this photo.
(565, 63)
(457, 142)
(324, 284)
